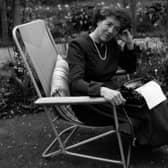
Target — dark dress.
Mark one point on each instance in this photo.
(88, 73)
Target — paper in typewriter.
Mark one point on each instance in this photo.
(152, 94)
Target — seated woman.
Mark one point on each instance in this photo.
(93, 60)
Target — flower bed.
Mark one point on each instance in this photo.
(153, 60)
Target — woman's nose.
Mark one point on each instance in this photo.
(111, 29)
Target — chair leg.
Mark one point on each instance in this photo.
(63, 148)
(58, 139)
(129, 153)
(46, 152)
(125, 162)
(121, 150)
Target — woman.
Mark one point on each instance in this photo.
(93, 60)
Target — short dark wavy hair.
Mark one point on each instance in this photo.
(122, 15)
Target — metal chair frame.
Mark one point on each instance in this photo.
(23, 32)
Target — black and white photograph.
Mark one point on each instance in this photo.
(83, 83)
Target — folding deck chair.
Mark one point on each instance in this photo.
(38, 50)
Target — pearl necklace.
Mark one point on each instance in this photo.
(99, 54)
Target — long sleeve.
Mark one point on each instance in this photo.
(128, 59)
(77, 82)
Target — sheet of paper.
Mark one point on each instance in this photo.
(152, 93)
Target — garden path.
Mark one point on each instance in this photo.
(6, 53)
(23, 138)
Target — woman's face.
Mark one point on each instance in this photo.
(107, 29)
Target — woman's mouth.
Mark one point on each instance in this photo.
(108, 36)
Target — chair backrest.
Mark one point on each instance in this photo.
(40, 55)
(37, 47)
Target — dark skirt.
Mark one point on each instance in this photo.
(150, 126)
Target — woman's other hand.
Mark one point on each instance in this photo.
(113, 96)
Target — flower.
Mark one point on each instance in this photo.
(66, 6)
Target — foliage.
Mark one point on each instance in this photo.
(68, 18)
(65, 20)
(79, 19)
(151, 18)
(153, 60)
(47, 3)
(16, 92)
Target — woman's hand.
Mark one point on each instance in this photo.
(127, 38)
(113, 96)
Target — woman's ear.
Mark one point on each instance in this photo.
(118, 36)
(98, 23)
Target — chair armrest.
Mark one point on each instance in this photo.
(69, 100)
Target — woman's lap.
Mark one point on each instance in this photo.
(102, 114)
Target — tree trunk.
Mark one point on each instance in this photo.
(17, 12)
(124, 3)
(4, 21)
(133, 13)
(166, 26)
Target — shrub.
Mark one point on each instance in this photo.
(79, 19)
(16, 91)
(151, 18)
(67, 20)
(152, 61)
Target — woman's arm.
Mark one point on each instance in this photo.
(78, 84)
(128, 57)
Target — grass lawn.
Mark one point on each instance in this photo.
(23, 139)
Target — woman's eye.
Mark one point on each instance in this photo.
(117, 28)
(109, 24)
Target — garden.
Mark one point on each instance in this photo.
(69, 20)
(25, 130)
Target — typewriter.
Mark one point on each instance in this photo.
(133, 98)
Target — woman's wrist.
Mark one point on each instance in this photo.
(130, 45)
(102, 91)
